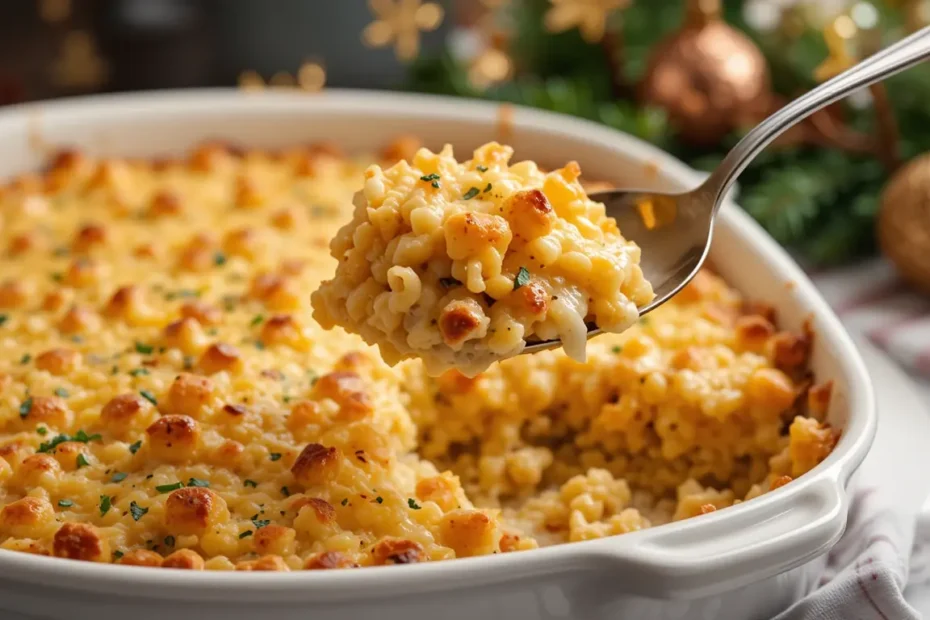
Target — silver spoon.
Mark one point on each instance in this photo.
(675, 243)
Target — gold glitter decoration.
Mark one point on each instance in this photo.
(251, 81)
(282, 79)
(400, 22)
(490, 67)
(589, 16)
(79, 65)
(311, 77)
(54, 11)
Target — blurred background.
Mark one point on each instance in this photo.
(687, 75)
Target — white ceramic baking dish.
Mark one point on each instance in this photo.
(748, 561)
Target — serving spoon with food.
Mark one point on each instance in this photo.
(674, 230)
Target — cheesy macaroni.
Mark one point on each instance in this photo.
(460, 264)
(169, 401)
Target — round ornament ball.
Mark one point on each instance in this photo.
(904, 221)
(709, 77)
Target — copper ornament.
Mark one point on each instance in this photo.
(709, 77)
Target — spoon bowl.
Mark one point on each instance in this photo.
(674, 230)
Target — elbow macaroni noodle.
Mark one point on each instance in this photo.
(169, 401)
(460, 264)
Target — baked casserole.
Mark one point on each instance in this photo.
(168, 399)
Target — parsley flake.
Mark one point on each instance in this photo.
(274, 456)
(117, 554)
(137, 511)
(25, 359)
(62, 392)
(345, 500)
(197, 482)
(144, 349)
(413, 503)
(285, 492)
(245, 534)
(448, 282)
(471, 193)
(65, 503)
(379, 499)
(488, 188)
(617, 349)
(260, 523)
(119, 476)
(149, 396)
(82, 461)
(25, 408)
(138, 372)
(42, 431)
(430, 177)
(258, 319)
(522, 279)
(105, 503)
(167, 488)
(219, 259)
(133, 448)
(169, 541)
(249, 483)
(81, 436)
(481, 168)
(435, 184)
(4, 318)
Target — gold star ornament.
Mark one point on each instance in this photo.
(400, 22)
(589, 16)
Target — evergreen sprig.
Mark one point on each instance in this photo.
(819, 202)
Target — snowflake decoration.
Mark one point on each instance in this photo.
(837, 35)
(589, 16)
(400, 22)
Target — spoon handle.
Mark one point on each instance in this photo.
(885, 63)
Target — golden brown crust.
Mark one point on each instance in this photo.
(80, 541)
(397, 551)
(328, 560)
(316, 465)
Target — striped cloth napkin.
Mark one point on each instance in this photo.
(871, 299)
(882, 551)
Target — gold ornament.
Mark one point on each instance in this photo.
(709, 77)
(311, 77)
(400, 22)
(492, 66)
(589, 16)
(54, 11)
(79, 65)
(904, 221)
(251, 81)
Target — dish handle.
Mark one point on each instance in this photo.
(724, 550)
